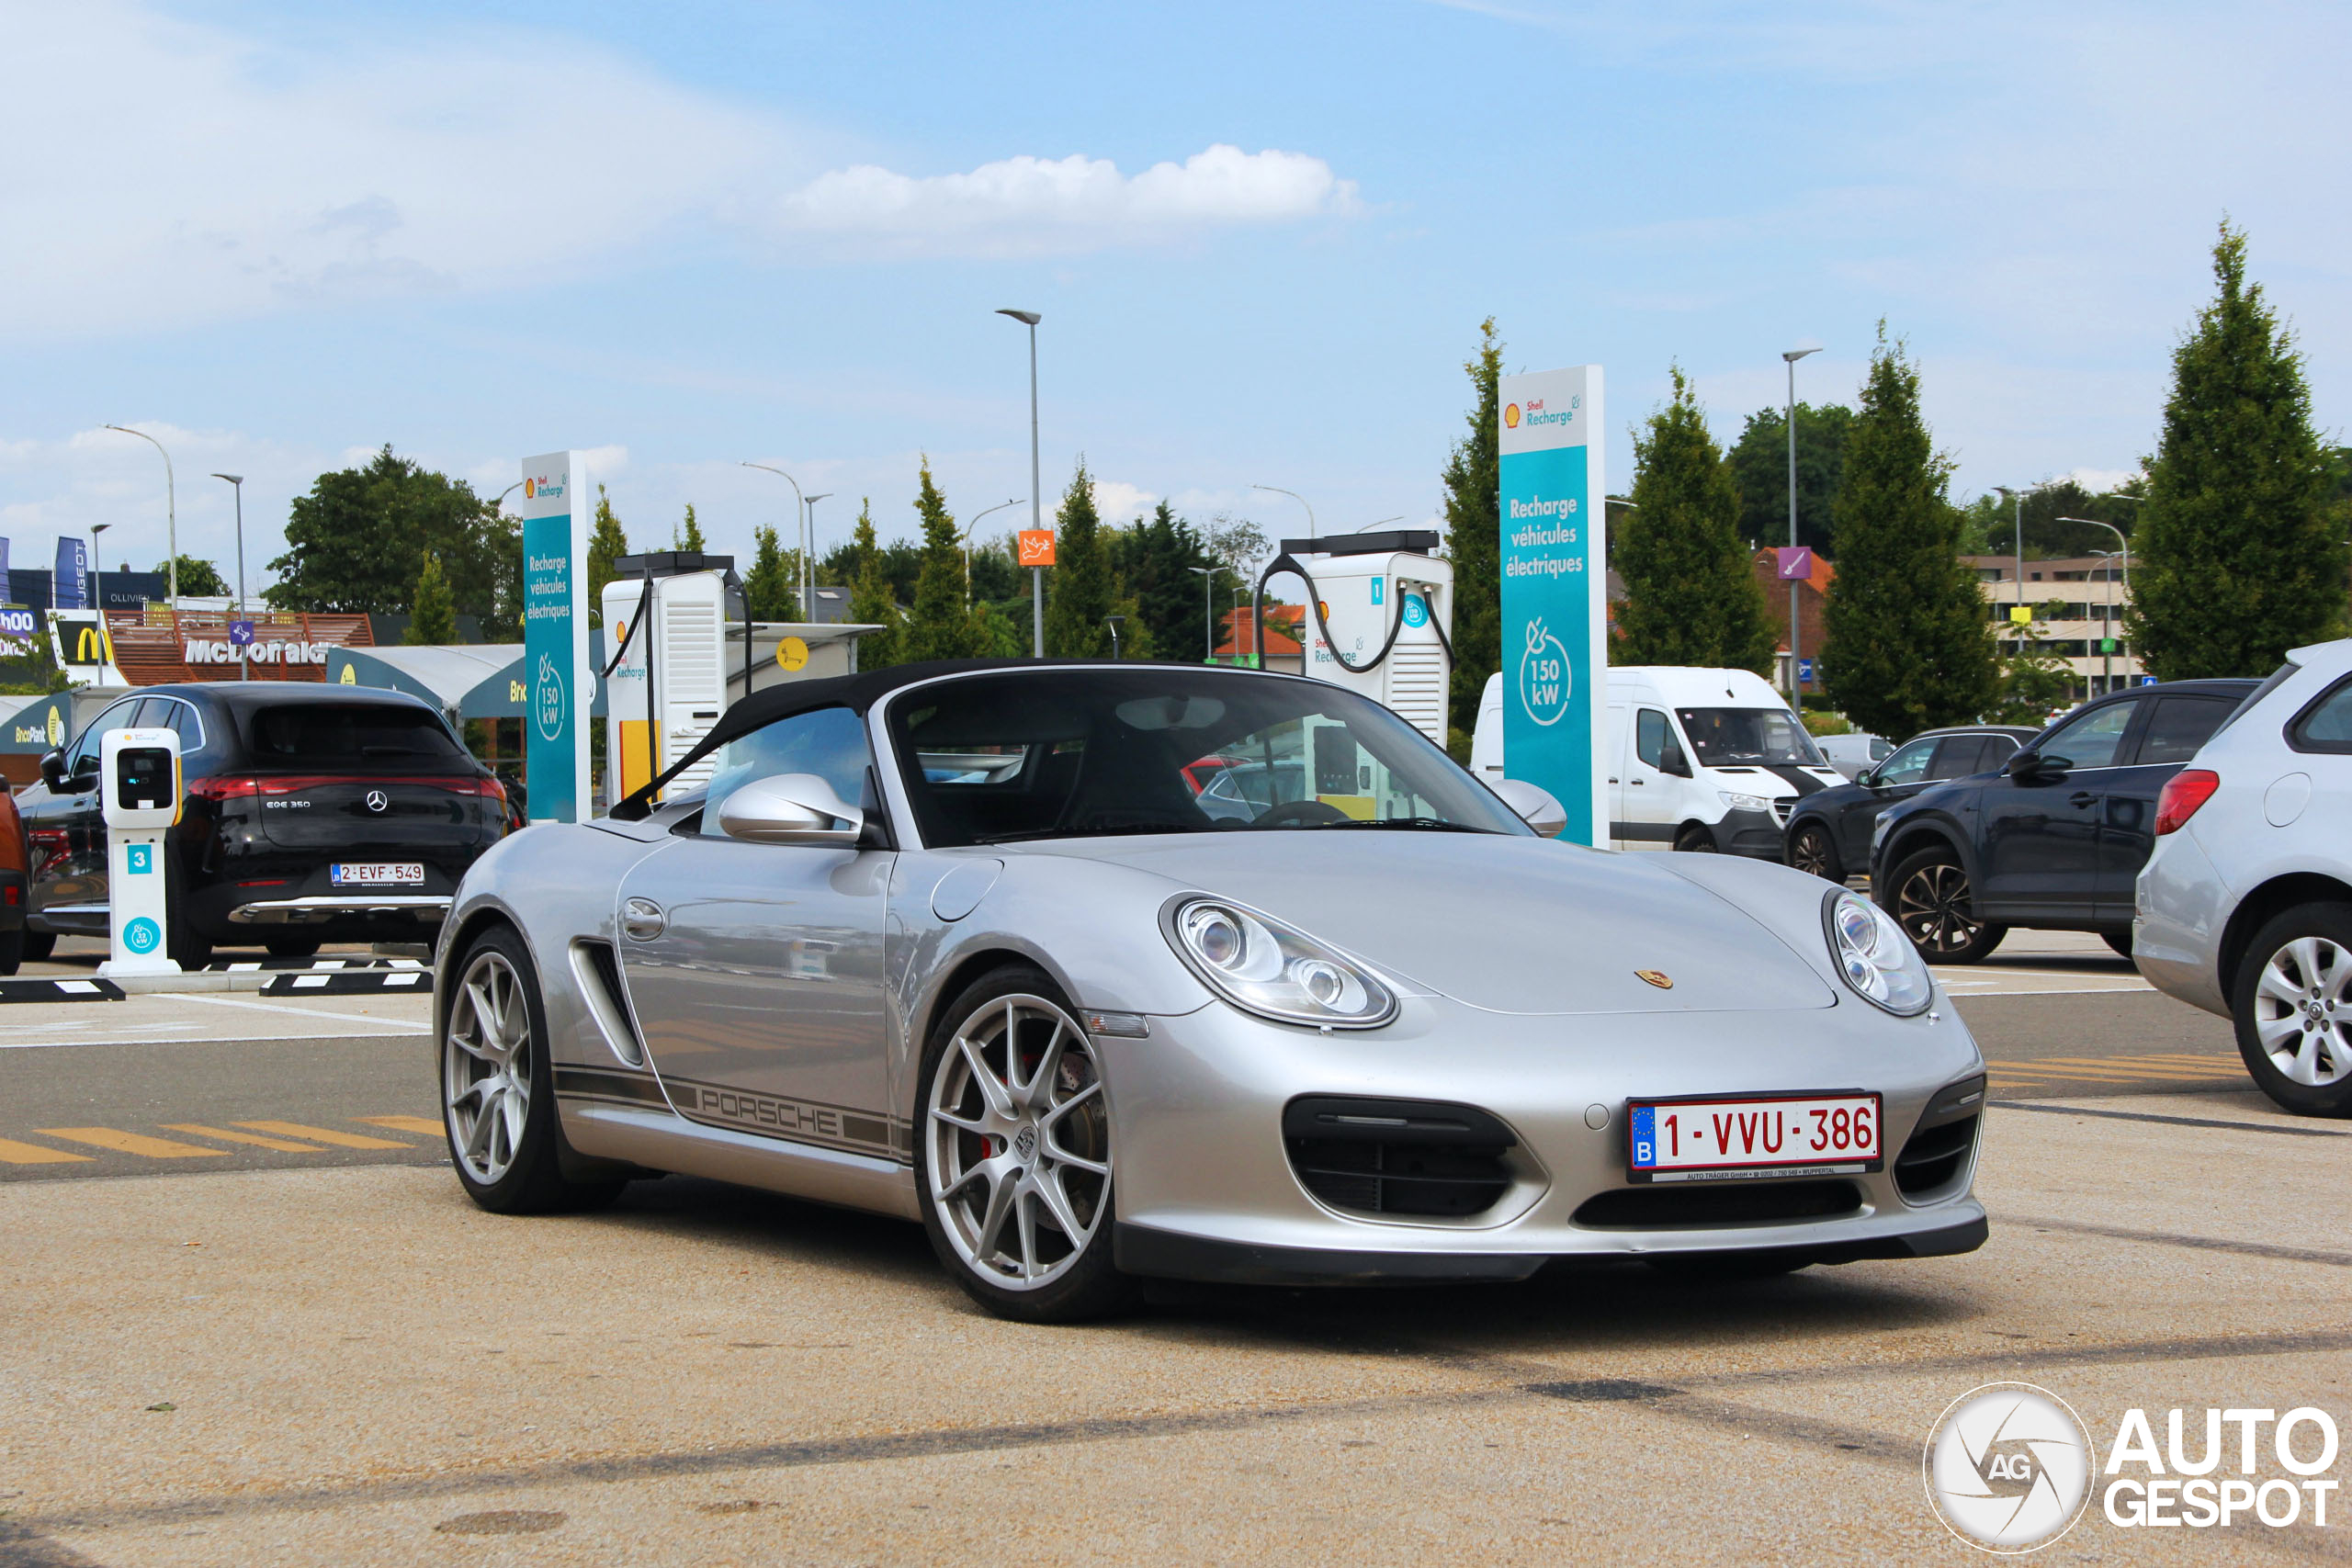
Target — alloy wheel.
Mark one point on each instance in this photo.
(1019, 1142)
(2302, 1012)
(1810, 853)
(1932, 908)
(486, 1067)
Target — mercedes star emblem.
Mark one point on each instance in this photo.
(379, 801)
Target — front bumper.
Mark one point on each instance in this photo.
(1756, 834)
(13, 900)
(324, 908)
(1207, 1187)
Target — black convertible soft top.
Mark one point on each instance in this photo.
(856, 693)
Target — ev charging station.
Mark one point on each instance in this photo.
(1379, 606)
(140, 786)
(666, 617)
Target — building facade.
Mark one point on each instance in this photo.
(2076, 606)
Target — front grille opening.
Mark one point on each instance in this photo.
(1698, 1204)
(1414, 1158)
(1933, 1158)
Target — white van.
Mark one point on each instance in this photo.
(1707, 760)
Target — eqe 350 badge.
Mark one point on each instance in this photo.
(2008, 1467)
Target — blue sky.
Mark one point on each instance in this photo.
(1261, 235)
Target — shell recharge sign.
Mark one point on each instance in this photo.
(555, 636)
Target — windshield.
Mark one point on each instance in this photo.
(1065, 753)
(1751, 736)
(347, 735)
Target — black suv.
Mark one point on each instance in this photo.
(1829, 831)
(312, 814)
(2055, 840)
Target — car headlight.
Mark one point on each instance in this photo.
(1274, 970)
(1877, 960)
(1744, 802)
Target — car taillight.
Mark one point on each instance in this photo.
(2188, 789)
(221, 789)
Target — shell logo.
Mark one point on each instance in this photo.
(531, 487)
(1510, 416)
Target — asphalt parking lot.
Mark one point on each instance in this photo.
(248, 1318)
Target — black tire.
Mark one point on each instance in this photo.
(2320, 1024)
(1694, 840)
(12, 951)
(38, 946)
(293, 947)
(1811, 849)
(2121, 941)
(1084, 1282)
(1930, 898)
(531, 1181)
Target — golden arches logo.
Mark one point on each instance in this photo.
(88, 646)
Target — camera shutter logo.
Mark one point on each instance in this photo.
(2008, 1467)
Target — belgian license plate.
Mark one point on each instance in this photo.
(378, 873)
(1753, 1136)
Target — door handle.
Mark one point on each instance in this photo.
(1637, 784)
(642, 919)
(2082, 797)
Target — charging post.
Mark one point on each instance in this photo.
(139, 780)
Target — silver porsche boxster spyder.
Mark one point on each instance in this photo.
(1103, 972)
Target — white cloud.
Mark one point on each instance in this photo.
(1117, 502)
(1028, 205)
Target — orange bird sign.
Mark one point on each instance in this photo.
(1036, 547)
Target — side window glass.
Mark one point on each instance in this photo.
(1880, 750)
(1999, 749)
(2327, 726)
(1908, 765)
(2180, 725)
(184, 721)
(2090, 740)
(830, 743)
(1956, 757)
(1649, 736)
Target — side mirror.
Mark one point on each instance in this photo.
(1674, 762)
(1867, 778)
(1534, 804)
(2032, 767)
(791, 808)
(52, 769)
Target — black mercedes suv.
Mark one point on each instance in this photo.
(312, 814)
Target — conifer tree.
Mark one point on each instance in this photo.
(870, 600)
(2236, 557)
(607, 543)
(1910, 644)
(939, 627)
(1079, 589)
(1473, 479)
(769, 587)
(433, 618)
(689, 535)
(1691, 592)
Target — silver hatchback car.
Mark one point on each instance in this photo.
(961, 944)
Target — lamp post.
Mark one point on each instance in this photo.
(2106, 676)
(1207, 574)
(98, 599)
(1114, 622)
(808, 556)
(1037, 573)
(238, 482)
(1796, 685)
(1278, 489)
(967, 545)
(801, 509)
(171, 515)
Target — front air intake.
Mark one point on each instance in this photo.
(1707, 1204)
(1420, 1159)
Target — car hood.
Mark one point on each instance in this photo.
(1506, 924)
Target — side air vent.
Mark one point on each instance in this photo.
(1405, 1157)
(1936, 1157)
(599, 974)
(1700, 1205)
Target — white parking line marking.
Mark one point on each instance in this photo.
(392, 1024)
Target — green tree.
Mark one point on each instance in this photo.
(1079, 589)
(871, 602)
(1990, 524)
(1154, 562)
(770, 588)
(608, 541)
(431, 621)
(1909, 645)
(996, 570)
(1760, 465)
(1473, 480)
(1691, 589)
(938, 627)
(352, 541)
(689, 535)
(2034, 681)
(198, 579)
(2239, 555)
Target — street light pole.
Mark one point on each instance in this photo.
(238, 482)
(1296, 497)
(171, 515)
(1796, 685)
(802, 509)
(2107, 675)
(1037, 492)
(1207, 574)
(98, 598)
(1114, 622)
(967, 545)
(808, 555)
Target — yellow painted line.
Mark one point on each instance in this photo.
(130, 1143)
(15, 1153)
(323, 1135)
(403, 1124)
(281, 1144)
